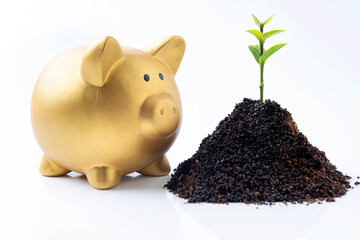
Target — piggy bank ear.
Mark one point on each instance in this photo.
(169, 49)
(99, 57)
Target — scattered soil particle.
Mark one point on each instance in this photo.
(257, 155)
(357, 183)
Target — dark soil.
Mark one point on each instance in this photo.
(257, 155)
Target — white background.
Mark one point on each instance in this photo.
(316, 77)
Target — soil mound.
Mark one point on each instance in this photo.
(257, 155)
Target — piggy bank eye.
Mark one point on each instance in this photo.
(161, 76)
(146, 77)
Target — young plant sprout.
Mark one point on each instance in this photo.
(259, 52)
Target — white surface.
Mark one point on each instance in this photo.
(315, 77)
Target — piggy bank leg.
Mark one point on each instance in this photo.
(157, 168)
(103, 177)
(51, 169)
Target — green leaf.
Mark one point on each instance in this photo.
(257, 34)
(256, 20)
(271, 33)
(270, 52)
(268, 20)
(255, 50)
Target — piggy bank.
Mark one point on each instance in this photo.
(106, 111)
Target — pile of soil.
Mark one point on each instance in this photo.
(257, 155)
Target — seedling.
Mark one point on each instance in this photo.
(259, 52)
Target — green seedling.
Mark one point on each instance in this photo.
(259, 52)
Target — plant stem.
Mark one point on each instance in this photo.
(261, 68)
(261, 83)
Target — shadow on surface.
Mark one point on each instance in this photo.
(132, 181)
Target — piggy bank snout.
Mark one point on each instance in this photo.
(160, 116)
(166, 117)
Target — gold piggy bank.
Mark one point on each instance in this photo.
(106, 111)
